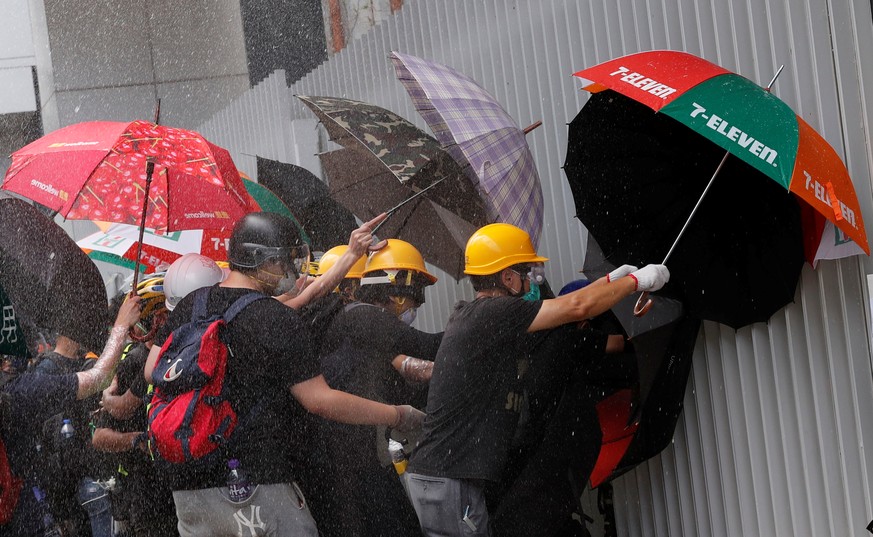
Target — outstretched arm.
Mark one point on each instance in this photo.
(360, 242)
(100, 375)
(598, 297)
(318, 398)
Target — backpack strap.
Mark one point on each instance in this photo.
(201, 296)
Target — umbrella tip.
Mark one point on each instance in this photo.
(532, 126)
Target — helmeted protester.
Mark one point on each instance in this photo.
(272, 378)
(189, 273)
(349, 285)
(30, 399)
(476, 394)
(559, 438)
(371, 350)
(141, 498)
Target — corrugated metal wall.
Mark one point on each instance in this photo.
(772, 440)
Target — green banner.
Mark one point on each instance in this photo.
(11, 336)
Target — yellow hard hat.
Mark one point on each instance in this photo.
(329, 258)
(498, 246)
(398, 255)
(151, 291)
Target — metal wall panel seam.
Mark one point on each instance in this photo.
(630, 15)
(722, 30)
(787, 397)
(811, 453)
(773, 442)
(656, 24)
(708, 440)
(858, 148)
(530, 23)
(723, 426)
(687, 500)
(560, 103)
(844, 391)
(756, 507)
(654, 486)
(696, 442)
(824, 401)
(430, 32)
(672, 23)
(670, 491)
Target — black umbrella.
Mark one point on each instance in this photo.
(327, 223)
(48, 279)
(635, 178)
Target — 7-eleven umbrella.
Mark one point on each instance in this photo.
(751, 124)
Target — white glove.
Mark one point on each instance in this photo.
(651, 277)
(620, 272)
(408, 418)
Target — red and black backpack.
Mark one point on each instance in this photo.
(189, 415)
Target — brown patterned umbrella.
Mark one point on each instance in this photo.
(385, 160)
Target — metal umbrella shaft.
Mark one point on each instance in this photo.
(643, 304)
(150, 169)
(394, 209)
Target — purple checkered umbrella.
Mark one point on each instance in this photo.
(473, 128)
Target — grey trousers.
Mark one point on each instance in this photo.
(276, 510)
(448, 507)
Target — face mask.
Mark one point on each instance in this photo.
(534, 294)
(286, 284)
(408, 316)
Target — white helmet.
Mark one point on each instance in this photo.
(188, 273)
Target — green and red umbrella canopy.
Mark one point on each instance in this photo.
(749, 122)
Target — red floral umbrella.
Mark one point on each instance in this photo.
(136, 173)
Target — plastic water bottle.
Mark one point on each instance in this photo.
(67, 430)
(398, 456)
(239, 487)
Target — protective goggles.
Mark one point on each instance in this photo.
(295, 258)
(533, 273)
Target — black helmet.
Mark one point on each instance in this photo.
(258, 237)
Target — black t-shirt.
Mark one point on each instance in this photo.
(130, 368)
(271, 352)
(477, 390)
(359, 346)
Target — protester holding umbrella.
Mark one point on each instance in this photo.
(476, 394)
(272, 375)
(32, 398)
(349, 285)
(360, 242)
(141, 496)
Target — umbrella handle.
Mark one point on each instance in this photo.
(643, 305)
